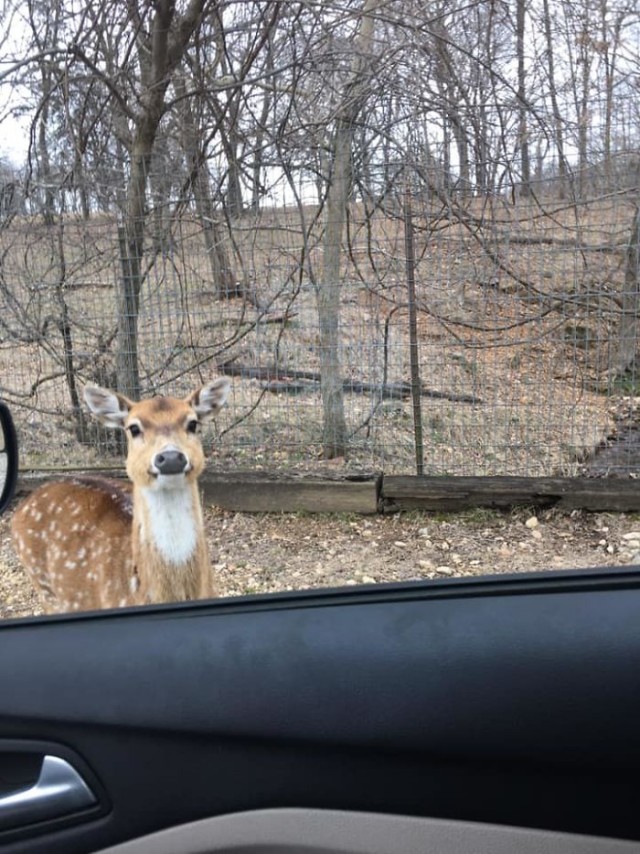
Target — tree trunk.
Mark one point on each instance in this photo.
(626, 347)
(609, 44)
(260, 138)
(235, 203)
(44, 172)
(523, 129)
(220, 266)
(553, 95)
(132, 251)
(585, 59)
(334, 436)
(159, 53)
(328, 291)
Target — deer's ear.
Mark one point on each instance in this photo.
(110, 408)
(209, 399)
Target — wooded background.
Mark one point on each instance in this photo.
(409, 231)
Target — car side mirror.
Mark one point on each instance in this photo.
(8, 457)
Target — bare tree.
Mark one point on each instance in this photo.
(523, 130)
(552, 87)
(195, 152)
(352, 100)
(162, 38)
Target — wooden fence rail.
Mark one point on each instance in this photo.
(266, 492)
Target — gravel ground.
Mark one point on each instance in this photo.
(268, 553)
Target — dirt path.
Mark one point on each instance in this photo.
(268, 553)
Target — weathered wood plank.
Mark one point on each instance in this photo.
(462, 493)
(264, 492)
(254, 492)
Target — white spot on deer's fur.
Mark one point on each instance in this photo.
(173, 530)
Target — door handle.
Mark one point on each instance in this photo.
(58, 791)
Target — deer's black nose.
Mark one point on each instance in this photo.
(170, 462)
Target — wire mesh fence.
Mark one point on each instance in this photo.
(479, 333)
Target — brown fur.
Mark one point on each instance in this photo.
(68, 536)
(90, 543)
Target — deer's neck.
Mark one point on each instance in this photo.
(169, 548)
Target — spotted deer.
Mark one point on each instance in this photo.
(90, 542)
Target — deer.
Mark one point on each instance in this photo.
(91, 542)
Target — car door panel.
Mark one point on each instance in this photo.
(508, 701)
(332, 832)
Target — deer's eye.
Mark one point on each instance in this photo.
(135, 430)
(192, 426)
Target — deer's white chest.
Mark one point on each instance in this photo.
(170, 523)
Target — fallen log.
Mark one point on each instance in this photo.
(268, 317)
(288, 380)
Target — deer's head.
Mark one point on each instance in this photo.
(164, 448)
